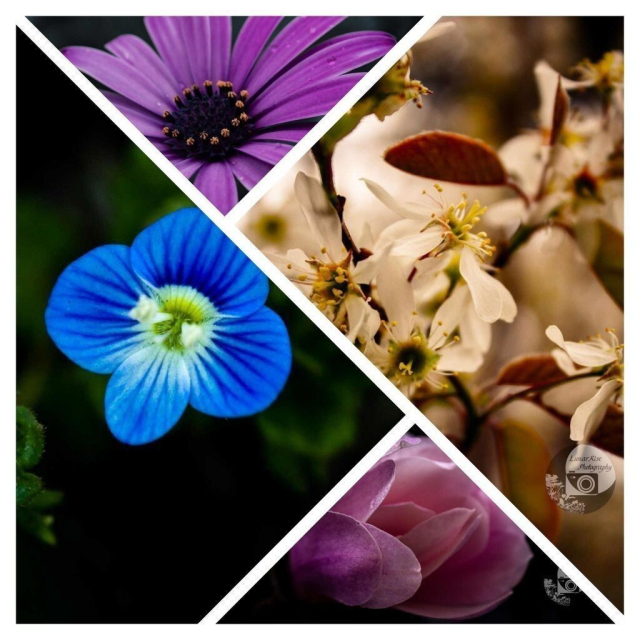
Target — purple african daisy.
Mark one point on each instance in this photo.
(223, 112)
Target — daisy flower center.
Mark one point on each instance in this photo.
(177, 316)
(208, 123)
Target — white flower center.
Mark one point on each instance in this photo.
(176, 316)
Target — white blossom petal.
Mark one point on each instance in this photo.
(447, 317)
(459, 358)
(297, 258)
(590, 414)
(486, 294)
(587, 355)
(396, 295)
(564, 362)
(418, 245)
(547, 79)
(509, 307)
(365, 271)
(403, 209)
(473, 330)
(321, 216)
(363, 320)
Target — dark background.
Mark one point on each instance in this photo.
(161, 532)
(96, 31)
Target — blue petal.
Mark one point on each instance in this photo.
(87, 315)
(186, 248)
(245, 368)
(147, 394)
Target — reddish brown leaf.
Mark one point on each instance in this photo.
(524, 459)
(560, 111)
(610, 434)
(531, 371)
(449, 157)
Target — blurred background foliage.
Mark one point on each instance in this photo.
(201, 506)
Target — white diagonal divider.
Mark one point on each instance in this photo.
(299, 299)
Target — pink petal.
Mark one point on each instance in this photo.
(435, 540)
(367, 494)
(398, 519)
(439, 486)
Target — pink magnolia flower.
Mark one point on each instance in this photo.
(415, 534)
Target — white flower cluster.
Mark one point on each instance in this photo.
(382, 301)
(420, 300)
(570, 169)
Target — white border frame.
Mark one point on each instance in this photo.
(413, 414)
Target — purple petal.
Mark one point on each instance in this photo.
(312, 102)
(401, 576)
(216, 182)
(439, 486)
(248, 170)
(398, 519)
(140, 55)
(338, 558)
(220, 47)
(196, 35)
(252, 38)
(118, 75)
(285, 132)
(148, 123)
(299, 34)
(186, 166)
(166, 34)
(435, 540)
(368, 493)
(333, 59)
(270, 152)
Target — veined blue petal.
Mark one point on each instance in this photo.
(147, 394)
(185, 247)
(244, 369)
(88, 311)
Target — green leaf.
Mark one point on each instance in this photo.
(29, 439)
(28, 485)
(37, 524)
(301, 444)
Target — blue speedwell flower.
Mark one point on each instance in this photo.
(178, 318)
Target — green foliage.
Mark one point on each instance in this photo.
(316, 417)
(32, 499)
